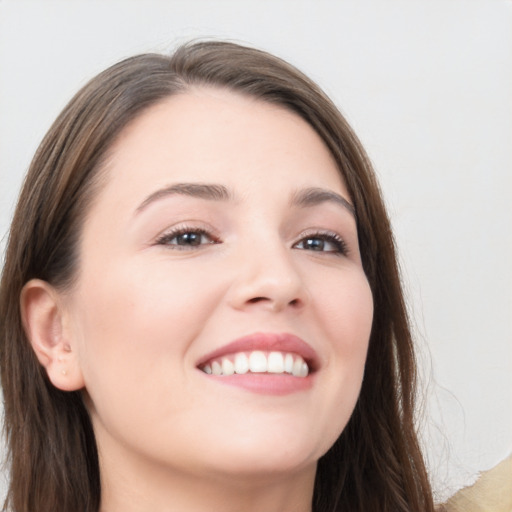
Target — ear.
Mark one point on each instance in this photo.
(46, 326)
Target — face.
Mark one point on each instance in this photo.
(221, 314)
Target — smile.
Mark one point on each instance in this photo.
(258, 361)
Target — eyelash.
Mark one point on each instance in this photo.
(325, 236)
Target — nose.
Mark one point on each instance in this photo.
(267, 279)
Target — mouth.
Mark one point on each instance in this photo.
(264, 363)
(258, 361)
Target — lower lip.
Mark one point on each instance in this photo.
(266, 383)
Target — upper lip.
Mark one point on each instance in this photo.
(269, 342)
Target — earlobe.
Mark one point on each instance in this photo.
(45, 327)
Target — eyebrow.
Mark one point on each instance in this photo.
(303, 198)
(199, 190)
(315, 196)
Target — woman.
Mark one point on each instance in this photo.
(210, 314)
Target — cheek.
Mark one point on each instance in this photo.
(345, 312)
(346, 309)
(138, 320)
(135, 328)
(350, 330)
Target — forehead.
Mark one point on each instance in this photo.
(209, 134)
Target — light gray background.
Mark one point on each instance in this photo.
(426, 85)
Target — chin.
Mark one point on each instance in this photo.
(265, 456)
(265, 468)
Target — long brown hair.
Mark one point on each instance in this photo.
(376, 463)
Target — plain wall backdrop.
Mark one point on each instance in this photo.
(426, 85)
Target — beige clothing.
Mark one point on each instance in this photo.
(492, 492)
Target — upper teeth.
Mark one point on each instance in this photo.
(258, 362)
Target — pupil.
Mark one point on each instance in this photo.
(189, 239)
(315, 244)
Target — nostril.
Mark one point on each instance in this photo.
(254, 300)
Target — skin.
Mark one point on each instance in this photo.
(144, 309)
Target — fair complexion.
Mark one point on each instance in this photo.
(222, 219)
